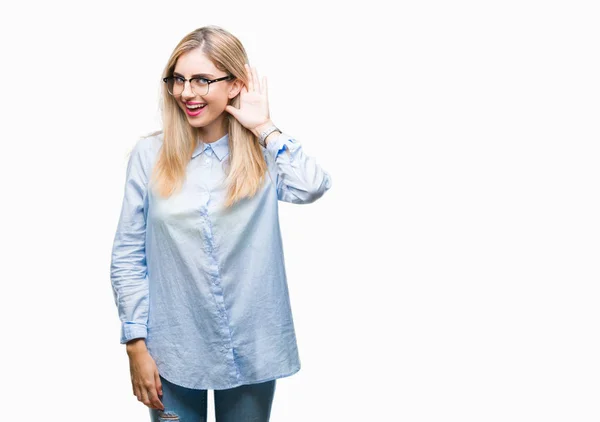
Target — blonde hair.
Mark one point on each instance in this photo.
(247, 166)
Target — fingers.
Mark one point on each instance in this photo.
(136, 392)
(253, 79)
(158, 383)
(148, 393)
(153, 400)
(249, 77)
(233, 111)
(265, 91)
(255, 76)
(144, 396)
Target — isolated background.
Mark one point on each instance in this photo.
(451, 272)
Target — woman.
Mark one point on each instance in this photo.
(197, 264)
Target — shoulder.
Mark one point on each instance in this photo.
(146, 147)
(150, 143)
(144, 152)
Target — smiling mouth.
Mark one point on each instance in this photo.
(194, 110)
(195, 106)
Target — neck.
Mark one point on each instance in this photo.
(213, 132)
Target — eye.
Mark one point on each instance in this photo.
(178, 80)
(201, 81)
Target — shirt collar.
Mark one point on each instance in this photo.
(220, 147)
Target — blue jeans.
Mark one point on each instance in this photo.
(246, 403)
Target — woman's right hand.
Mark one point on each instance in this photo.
(144, 374)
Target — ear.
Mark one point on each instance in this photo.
(236, 87)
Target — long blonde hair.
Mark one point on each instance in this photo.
(247, 166)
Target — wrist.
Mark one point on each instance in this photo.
(135, 346)
(272, 136)
(258, 129)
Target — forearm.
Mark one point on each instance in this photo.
(299, 179)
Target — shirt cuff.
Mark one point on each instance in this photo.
(278, 145)
(130, 330)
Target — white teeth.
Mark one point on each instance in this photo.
(196, 106)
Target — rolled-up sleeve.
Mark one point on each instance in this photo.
(128, 269)
(300, 180)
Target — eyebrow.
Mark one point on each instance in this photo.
(196, 75)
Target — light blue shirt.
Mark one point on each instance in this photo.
(206, 287)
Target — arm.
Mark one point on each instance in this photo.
(128, 261)
(300, 180)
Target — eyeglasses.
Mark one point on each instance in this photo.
(200, 86)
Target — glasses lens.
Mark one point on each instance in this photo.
(200, 86)
(174, 86)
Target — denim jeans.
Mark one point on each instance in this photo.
(246, 403)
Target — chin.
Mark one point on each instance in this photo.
(196, 124)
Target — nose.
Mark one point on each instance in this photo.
(187, 90)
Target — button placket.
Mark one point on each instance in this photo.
(208, 153)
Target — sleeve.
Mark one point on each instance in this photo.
(128, 260)
(300, 180)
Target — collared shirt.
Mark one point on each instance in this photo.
(205, 286)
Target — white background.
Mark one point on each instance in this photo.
(451, 272)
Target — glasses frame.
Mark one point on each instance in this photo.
(209, 82)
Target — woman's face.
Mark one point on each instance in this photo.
(194, 63)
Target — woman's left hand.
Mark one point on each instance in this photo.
(254, 103)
